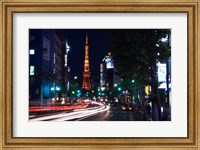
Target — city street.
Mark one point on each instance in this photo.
(99, 75)
(113, 114)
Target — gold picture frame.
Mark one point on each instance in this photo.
(9, 7)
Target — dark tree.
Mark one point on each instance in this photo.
(135, 54)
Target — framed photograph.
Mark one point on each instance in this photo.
(95, 75)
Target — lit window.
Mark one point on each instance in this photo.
(32, 51)
(32, 70)
(54, 58)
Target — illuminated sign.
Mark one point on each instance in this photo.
(101, 67)
(162, 72)
(109, 62)
(65, 60)
(32, 70)
(67, 47)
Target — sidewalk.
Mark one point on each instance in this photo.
(147, 116)
(166, 115)
(139, 116)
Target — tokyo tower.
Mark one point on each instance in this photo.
(86, 84)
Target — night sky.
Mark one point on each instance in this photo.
(97, 50)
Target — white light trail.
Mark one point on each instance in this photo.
(76, 114)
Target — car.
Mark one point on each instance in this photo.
(123, 107)
(127, 107)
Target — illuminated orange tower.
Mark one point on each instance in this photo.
(86, 74)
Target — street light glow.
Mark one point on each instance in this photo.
(119, 88)
(57, 88)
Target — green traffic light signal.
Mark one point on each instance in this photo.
(57, 88)
(119, 88)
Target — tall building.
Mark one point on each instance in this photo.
(106, 73)
(66, 68)
(108, 76)
(164, 73)
(62, 49)
(44, 64)
(58, 61)
(86, 84)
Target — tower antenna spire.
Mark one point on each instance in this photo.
(86, 84)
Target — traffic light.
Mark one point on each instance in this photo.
(52, 88)
(57, 88)
(119, 89)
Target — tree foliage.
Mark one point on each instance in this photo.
(135, 53)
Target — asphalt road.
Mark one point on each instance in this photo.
(97, 113)
(113, 114)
